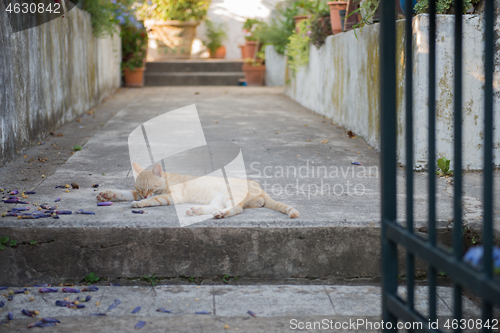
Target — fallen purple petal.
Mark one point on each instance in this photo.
(29, 192)
(81, 211)
(9, 214)
(55, 217)
(105, 203)
(251, 313)
(70, 290)
(60, 186)
(137, 309)
(28, 313)
(36, 324)
(203, 312)
(10, 200)
(112, 306)
(47, 324)
(138, 211)
(3, 288)
(14, 192)
(58, 199)
(20, 291)
(23, 202)
(90, 288)
(47, 290)
(356, 163)
(2, 303)
(63, 212)
(163, 310)
(63, 303)
(20, 209)
(50, 320)
(95, 185)
(140, 325)
(88, 298)
(10, 315)
(98, 314)
(42, 285)
(79, 306)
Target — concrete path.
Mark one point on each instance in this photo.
(277, 308)
(298, 156)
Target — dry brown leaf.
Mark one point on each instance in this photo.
(324, 141)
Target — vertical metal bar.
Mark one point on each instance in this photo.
(387, 53)
(488, 153)
(457, 224)
(432, 156)
(410, 260)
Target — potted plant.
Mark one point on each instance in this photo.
(134, 49)
(172, 25)
(337, 15)
(215, 35)
(248, 50)
(254, 70)
(306, 9)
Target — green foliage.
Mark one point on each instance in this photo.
(298, 46)
(102, 16)
(151, 279)
(278, 31)
(216, 34)
(191, 279)
(443, 6)
(3, 241)
(311, 7)
(251, 27)
(134, 46)
(321, 28)
(91, 278)
(444, 165)
(13, 243)
(367, 9)
(77, 148)
(181, 10)
(33, 243)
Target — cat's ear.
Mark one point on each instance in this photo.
(157, 170)
(137, 168)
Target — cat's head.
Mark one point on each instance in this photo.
(149, 182)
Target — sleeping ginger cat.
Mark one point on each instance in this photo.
(152, 189)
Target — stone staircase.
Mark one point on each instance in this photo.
(193, 72)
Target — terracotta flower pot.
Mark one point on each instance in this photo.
(248, 50)
(337, 15)
(170, 39)
(134, 78)
(297, 19)
(254, 75)
(220, 53)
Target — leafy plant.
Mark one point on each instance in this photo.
(13, 243)
(311, 7)
(33, 243)
(3, 241)
(134, 46)
(443, 6)
(444, 165)
(249, 28)
(151, 279)
(103, 15)
(191, 279)
(91, 278)
(367, 8)
(77, 148)
(181, 10)
(320, 29)
(298, 46)
(216, 34)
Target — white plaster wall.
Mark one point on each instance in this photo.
(275, 67)
(233, 13)
(341, 82)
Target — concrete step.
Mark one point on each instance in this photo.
(277, 308)
(192, 78)
(195, 65)
(193, 72)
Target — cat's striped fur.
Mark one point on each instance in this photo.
(158, 188)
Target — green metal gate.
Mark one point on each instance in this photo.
(481, 282)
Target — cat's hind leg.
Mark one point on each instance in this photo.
(215, 204)
(118, 195)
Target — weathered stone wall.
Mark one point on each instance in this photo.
(49, 75)
(275, 67)
(342, 82)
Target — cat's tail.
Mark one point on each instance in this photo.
(280, 207)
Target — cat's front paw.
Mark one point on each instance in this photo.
(106, 196)
(219, 214)
(138, 204)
